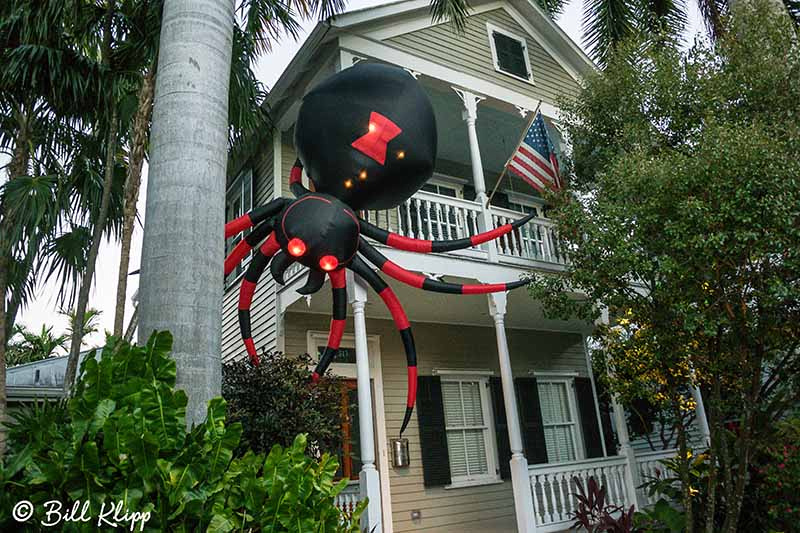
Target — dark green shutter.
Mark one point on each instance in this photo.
(604, 401)
(510, 55)
(432, 434)
(588, 416)
(469, 193)
(500, 428)
(531, 420)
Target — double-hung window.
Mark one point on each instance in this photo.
(238, 201)
(559, 418)
(469, 429)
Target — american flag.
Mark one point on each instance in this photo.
(535, 160)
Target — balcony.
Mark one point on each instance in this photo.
(432, 216)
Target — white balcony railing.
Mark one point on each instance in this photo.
(347, 500)
(650, 467)
(554, 486)
(431, 216)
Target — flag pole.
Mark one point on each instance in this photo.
(505, 167)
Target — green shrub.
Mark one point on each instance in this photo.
(122, 438)
(274, 402)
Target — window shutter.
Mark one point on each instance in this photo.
(469, 193)
(531, 420)
(500, 427)
(589, 425)
(432, 435)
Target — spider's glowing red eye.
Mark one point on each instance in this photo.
(296, 247)
(328, 263)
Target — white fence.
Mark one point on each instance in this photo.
(649, 467)
(349, 497)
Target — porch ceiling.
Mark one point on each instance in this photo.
(421, 306)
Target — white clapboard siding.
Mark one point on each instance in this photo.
(480, 508)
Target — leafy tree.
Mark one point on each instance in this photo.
(682, 221)
(122, 437)
(26, 346)
(274, 402)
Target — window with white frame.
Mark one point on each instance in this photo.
(468, 425)
(559, 418)
(238, 201)
(509, 53)
(441, 218)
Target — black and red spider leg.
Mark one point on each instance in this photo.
(296, 180)
(339, 293)
(257, 266)
(401, 322)
(255, 216)
(428, 284)
(244, 246)
(418, 245)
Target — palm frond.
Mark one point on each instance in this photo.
(552, 7)
(663, 18)
(454, 11)
(714, 13)
(607, 23)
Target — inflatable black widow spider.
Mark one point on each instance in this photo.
(367, 139)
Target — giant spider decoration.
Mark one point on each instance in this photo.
(367, 136)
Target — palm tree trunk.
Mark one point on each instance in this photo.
(133, 181)
(17, 167)
(180, 286)
(99, 224)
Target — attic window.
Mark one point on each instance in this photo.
(510, 53)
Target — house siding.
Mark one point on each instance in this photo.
(480, 508)
(471, 53)
(262, 314)
(288, 157)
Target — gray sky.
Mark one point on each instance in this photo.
(43, 310)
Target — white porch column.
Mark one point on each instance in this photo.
(702, 420)
(625, 449)
(520, 480)
(368, 477)
(470, 115)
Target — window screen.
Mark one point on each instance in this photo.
(466, 429)
(510, 55)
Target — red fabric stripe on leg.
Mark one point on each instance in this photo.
(335, 335)
(399, 273)
(338, 279)
(296, 174)
(412, 386)
(236, 256)
(246, 294)
(270, 246)
(251, 350)
(393, 304)
(412, 245)
(490, 235)
(239, 224)
(483, 289)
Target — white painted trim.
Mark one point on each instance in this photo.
(389, 54)
(461, 372)
(490, 29)
(423, 21)
(277, 163)
(492, 467)
(378, 413)
(565, 374)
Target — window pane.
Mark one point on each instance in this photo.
(560, 446)
(451, 396)
(473, 414)
(510, 55)
(554, 403)
(458, 456)
(476, 451)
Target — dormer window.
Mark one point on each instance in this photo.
(509, 53)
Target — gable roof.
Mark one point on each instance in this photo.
(564, 50)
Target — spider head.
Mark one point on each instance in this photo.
(319, 231)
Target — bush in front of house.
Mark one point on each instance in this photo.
(122, 437)
(275, 401)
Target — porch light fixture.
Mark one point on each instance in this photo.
(400, 455)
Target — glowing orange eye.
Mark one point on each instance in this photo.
(328, 263)
(296, 247)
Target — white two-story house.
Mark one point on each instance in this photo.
(507, 411)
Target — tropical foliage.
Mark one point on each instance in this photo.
(122, 437)
(274, 402)
(681, 222)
